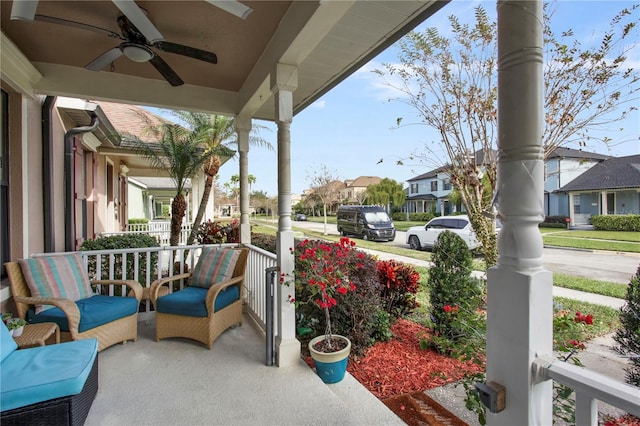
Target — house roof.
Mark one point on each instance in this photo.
(131, 121)
(422, 197)
(562, 152)
(430, 174)
(613, 173)
(363, 181)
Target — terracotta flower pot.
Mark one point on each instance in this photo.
(330, 366)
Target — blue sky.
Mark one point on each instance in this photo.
(353, 127)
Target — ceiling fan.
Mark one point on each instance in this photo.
(138, 34)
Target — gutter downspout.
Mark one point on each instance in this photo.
(47, 174)
(69, 179)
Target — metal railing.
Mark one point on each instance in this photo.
(590, 387)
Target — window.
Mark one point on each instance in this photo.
(447, 185)
(434, 186)
(4, 180)
(576, 204)
(414, 188)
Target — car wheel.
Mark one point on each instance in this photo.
(414, 242)
(343, 233)
(365, 236)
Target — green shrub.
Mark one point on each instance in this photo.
(355, 315)
(626, 222)
(457, 325)
(136, 220)
(126, 241)
(264, 241)
(556, 219)
(414, 217)
(552, 225)
(628, 336)
(398, 287)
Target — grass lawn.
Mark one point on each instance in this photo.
(591, 286)
(598, 235)
(590, 244)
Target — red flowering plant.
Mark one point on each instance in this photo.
(322, 277)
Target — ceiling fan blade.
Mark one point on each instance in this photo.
(191, 52)
(139, 19)
(105, 59)
(24, 10)
(234, 7)
(166, 71)
(54, 20)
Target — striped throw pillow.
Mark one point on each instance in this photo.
(56, 276)
(215, 265)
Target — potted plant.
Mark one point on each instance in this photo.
(15, 325)
(323, 275)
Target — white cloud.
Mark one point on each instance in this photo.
(321, 103)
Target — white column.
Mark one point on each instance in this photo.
(243, 127)
(519, 323)
(284, 80)
(571, 212)
(604, 203)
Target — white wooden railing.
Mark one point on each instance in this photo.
(589, 387)
(160, 230)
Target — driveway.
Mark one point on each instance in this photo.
(598, 265)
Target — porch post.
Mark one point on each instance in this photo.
(520, 304)
(243, 127)
(284, 80)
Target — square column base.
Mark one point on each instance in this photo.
(519, 327)
(288, 352)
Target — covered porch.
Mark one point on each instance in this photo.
(274, 64)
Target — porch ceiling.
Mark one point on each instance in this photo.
(326, 40)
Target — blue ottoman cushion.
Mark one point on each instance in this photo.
(94, 312)
(191, 301)
(42, 373)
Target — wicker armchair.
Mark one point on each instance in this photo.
(119, 330)
(214, 319)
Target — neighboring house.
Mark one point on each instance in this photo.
(610, 187)
(151, 197)
(429, 192)
(561, 167)
(355, 189)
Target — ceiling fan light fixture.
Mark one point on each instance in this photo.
(137, 53)
(234, 7)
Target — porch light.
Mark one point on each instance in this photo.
(136, 52)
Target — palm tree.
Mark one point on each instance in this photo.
(219, 135)
(179, 152)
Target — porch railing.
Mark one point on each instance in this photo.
(160, 230)
(590, 387)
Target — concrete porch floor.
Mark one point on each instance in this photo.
(179, 382)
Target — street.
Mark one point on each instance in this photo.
(603, 266)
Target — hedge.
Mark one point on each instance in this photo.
(626, 222)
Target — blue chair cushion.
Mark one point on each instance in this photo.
(7, 344)
(29, 376)
(94, 312)
(190, 301)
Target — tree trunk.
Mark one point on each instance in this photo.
(178, 209)
(210, 171)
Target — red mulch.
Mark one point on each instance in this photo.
(401, 366)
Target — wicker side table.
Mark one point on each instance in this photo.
(37, 334)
